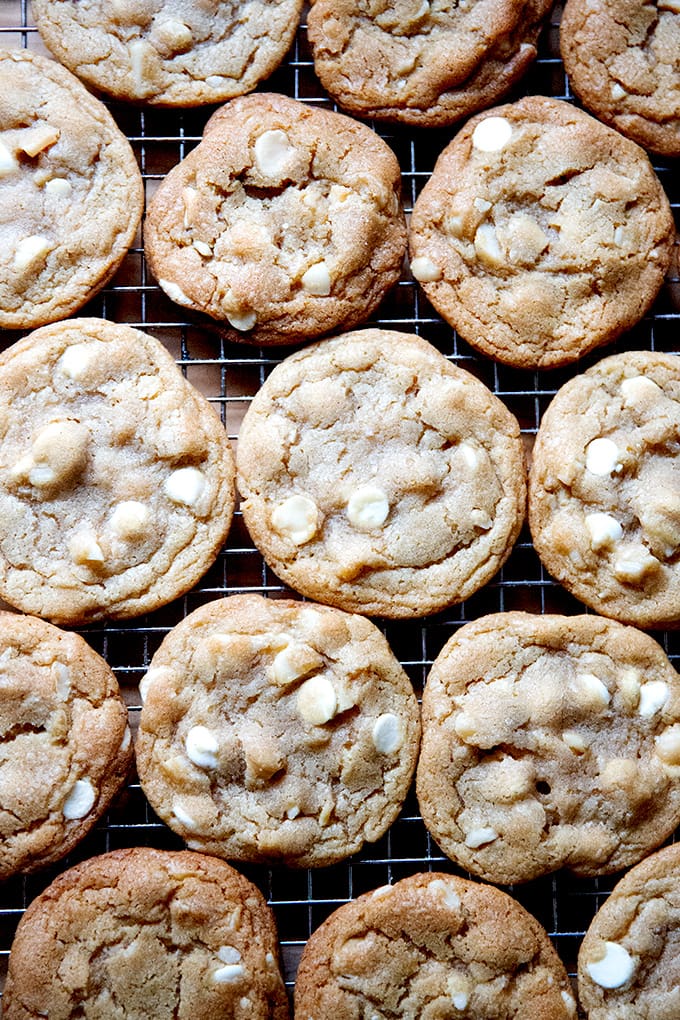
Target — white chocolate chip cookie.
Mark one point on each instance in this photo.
(169, 52)
(604, 492)
(71, 194)
(277, 731)
(116, 476)
(541, 233)
(284, 223)
(65, 745)
(378, 477)
(549, 742)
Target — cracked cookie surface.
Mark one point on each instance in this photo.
(65, 746)
(548, 742)
(432, 946)
(71, 194)
(629, 958)
(604, 488)
(541, 233)
(378, 477)
(284, 223)
(422, 63)
(169, 52)
(116, 476)
(275, 730)
(623, 61)
(146, 933)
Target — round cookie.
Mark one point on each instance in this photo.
(169, 52)
(71, 194)
(284, 223)
(378, 477)
(66, 745)
(146, 933)
(623, 61)
(549, 741)
(628, 962)
(116, 477)
(432, 946)
(277, 731)
(604, 488)
(541, 233)
(422, 64)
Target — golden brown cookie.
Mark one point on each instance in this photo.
(284, 223)
(541, 233)
(146, 933)
(116, 476)
(66, 745)
(378, 477)
(71, 193)
(548, 742)
(277, 731)
(432, 946)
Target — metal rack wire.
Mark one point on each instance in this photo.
(229, 375)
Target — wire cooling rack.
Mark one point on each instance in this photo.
(229, 375)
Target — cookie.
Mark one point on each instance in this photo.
(541, 233)
(604, 489)
(71, 194)
(116, 477)
(628, 962)
(378, 477)
(284, 223)
(66, 745)
(623, 62)
(548, 742)
(421, 64)
(277, 731)
(146, 933)
(170, 52)
(432, 946)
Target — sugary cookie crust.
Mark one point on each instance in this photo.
(628, 961)
(65, 746)
(604, 492)
(141, 933)
(285, 222)
(422, 63)
(432, 946)
(116, 477)
(541, 233)
(71, 194)
(379, 477)
(169, 52)
(623, 61)
(275, 730)
(549, 741)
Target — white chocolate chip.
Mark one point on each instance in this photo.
(144, 63)
(183, 817)
(30, 251)
(617, 92)
(215, 81)
(242, 321)
(272, 151)
(157, 673)
(297, 518)
(80, 799)
(175, 293)
(8, 161)
(668, 745)
(76, 360)
(62, 676)
(368, 508)
(653, 696)
(614, 968)
(569, 1001)
(595, 689)
(481, 519)
(575, 741)
(293, 662)
(130, 519)
(465, 726)
(172, 36)
(633, 567)
(317, 280)
(387, 733)
(292, 812)
(126, 739)
(604, 530)
(85, 549)
(202, 248)
(185, 486)
(459, 1000)
(492, 134)
(229, 974)
(424, 270)
(201, 746)
(481, 205)
(317, 701)
(381, 892)
(229, 954)
(487, 247)
(445, 892)
(36, 139)
(480, 837)
(190, 202)
(638, 388)
(602, 457)
(59, 187)
(470, 455)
